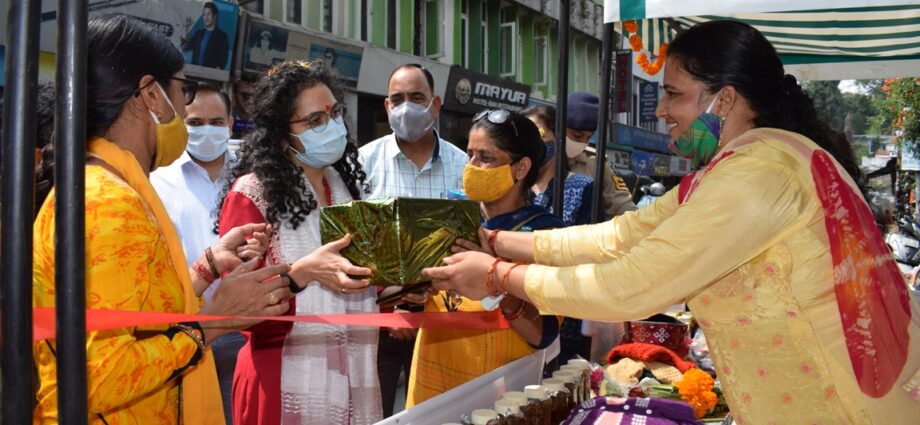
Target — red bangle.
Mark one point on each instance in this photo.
(489, 274)
(517, 314)
(492, 237)
(505, 279)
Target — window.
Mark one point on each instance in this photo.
(293, 11)
(484, 48)
(540, 61)
(433, 29)
(464, 32)
(365, 22)
(507, 48)
(327, 15)
(392, 14)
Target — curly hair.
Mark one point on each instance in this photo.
(264, 150)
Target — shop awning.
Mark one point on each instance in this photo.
(816, 39)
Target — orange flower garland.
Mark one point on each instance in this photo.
(635, 42)
(695, 388)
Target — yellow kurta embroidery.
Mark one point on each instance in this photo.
(127, 268)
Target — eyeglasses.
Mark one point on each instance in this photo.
(317, 121)
(498, 117)
(189, 88)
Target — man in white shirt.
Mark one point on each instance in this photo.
(412, 162)
(190, 189)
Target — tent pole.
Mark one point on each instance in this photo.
(19, 121)
(602, 114)
(561, 106)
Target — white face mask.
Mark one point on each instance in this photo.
(207, 142)
(411, 121)
(574, 147)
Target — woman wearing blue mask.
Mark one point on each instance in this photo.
(296, 160)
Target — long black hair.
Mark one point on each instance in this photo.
(121, 51)
(520, 138)
(264, 150)
(722, 53)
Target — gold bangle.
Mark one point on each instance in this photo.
(188, 330)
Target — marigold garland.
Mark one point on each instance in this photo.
(695, 388)
(635, 42)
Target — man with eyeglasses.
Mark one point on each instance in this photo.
(190, 188)
(413, 162)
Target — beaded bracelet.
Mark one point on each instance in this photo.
(489, 274)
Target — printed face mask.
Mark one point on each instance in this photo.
(322, 148)
(410, 121)
(700, 141)
(487, 184)
(207, 142)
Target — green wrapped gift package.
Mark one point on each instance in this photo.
(398, 237)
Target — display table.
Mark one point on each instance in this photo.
(478, 393)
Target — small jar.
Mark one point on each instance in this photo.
(509, 412)
(538, 395)
(585, 370)
(578, 393)
(561, 398)
(484, 417)
(570, 379)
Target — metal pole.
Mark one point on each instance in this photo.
(602, 113)
(562, 92)
(70, 258)
(17, 197)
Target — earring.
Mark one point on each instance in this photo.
(721, 124)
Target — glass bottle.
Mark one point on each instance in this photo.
(485, 417)
(561, 398)
(509, 411)
(538, 395)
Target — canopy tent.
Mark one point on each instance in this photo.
(816, 39)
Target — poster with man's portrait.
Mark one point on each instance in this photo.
(345, 60)
(266, 45)
(208, 41)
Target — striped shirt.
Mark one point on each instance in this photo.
(391, 173)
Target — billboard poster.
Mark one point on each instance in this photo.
(267, 44)
(471, 92)
(622, 86)
(648, 102)
(204, 31)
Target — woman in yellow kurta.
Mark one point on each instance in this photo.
(134, 260)
(807, 317)
(504, 149)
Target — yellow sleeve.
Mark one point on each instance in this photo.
(120, 247)
(741, 207)
(602, 242)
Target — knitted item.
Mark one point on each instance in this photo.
(664, 373)
(629, 411)
(627, 371)
(647, 353)
(582, 111)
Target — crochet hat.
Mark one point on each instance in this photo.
(582, 111)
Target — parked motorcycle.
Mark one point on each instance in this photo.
(649, 193)
(905, 241)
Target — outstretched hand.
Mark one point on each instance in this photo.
(464, 272)
(242, 243)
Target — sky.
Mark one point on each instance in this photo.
(849, 86)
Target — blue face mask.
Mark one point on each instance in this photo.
(550, 152)
(322, 148)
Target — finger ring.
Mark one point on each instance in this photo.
(343, 290)
(272, 298)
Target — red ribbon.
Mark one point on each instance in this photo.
(43, 324)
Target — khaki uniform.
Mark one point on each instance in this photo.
(617, 199)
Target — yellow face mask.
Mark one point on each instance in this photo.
(172, 137)
(487, 184)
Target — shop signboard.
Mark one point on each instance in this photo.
(206, 38)
(650, 164)
(648, 102)
(472, 92)
(268, 44)
(622, 93)
(619, 159)
(679, 166)
(641, 138)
